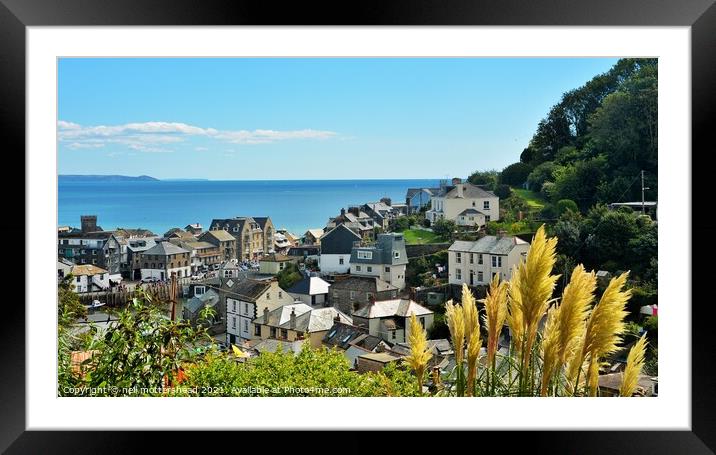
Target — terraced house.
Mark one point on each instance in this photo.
(250, 234)
(163, 259)
(475, 263)
(91, 245)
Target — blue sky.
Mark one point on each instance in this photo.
(328, 118)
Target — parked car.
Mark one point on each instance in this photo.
(150, 279)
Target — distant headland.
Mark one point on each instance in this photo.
(105, 178)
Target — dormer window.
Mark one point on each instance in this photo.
(396, 254)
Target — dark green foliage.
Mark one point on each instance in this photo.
(563, 205)
(541, 174)
(289, 276)
(487, 179)
(515, 174)
(444, 228)
(503, 191)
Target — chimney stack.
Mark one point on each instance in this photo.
(387, 201)
(459, 190)
(354, 210)
(456, 180)
(266, 315)
(88, 223)
(292, 323)
(343, 212)
(337, 318)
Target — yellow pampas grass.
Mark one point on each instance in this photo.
(635, 363)
(549, 349)
(456, 324)
(573, 310)
(472, 333)
(605, 326)
(515, 319)
(495, 315)
(419, 351)
(535, 284)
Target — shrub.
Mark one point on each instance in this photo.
(503, 191)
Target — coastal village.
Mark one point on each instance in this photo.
(350, 285)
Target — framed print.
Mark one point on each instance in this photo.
(429, 216)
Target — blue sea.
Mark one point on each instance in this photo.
(296, 205)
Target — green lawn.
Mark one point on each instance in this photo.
(534, 199)
(420, 237)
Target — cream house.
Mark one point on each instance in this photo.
(475, 263)
(464, 203)
(297, 321)
(246, 299)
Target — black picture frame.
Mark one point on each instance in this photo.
(700, 15)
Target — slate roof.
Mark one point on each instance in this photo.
(469, 191)
(276, 257)
(338, 240)
(307, 319)
(383, 250)
(363, 283)
(343, 335)
(209, 298)
(247, 289)
(197, 245)
(470, 211)
(310, 285)
(489, 244)
(219, 234)
(165, 249)
(261, 220)
(317, 233)
(137, 247)
(390, 308)
(271, 345)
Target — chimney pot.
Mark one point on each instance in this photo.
(292, 322)
(343, 212)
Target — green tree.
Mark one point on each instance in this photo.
(564, 205)
(541, 174)
(503, 191)
(515, 174)
(444, 228)
(488, 179)
(289, 276)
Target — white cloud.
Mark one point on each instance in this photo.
(141, 136)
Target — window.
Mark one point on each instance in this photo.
(280, 294)
(422, 321)
(487, 218)
(369, 295)
(353, 294)
(369, 269)
(392, 334)
(233, 322)
(268, 296)
(479, 259)
(479, 277)
(340, 260)
(273, 332)
(486, 205)
(246, 308)
(357, 268)
(94, 252)
(233, 307)
(458, 274)
(94, 261)
(365, 255)
(78, 279)
(199, 290)
(101, 276)
(284, 333)
(396, 254)
(472, 259)
(458, 257)
(387, 270)
(473, 203)
(497, 261)
(246, 325)
(257, 330)
(345, 338)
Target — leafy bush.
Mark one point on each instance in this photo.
(515, 174)
(503, 191)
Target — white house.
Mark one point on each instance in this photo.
(64, 268)
(385, 259)
(90, 278)
(475, 263)
(336, 247)
(464, 203)
(388, 319)
(246, 299)
(311, 290)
